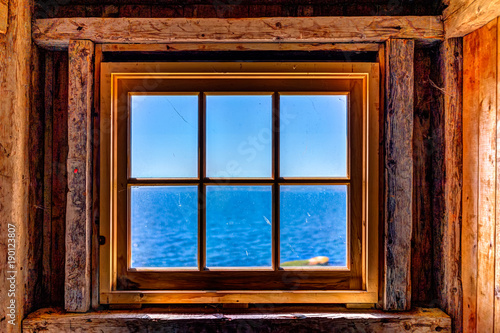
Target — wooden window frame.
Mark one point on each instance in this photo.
(118, 284)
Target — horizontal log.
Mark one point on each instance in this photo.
(56, 33)
(256, 319)
(465, 16)
(183, 47)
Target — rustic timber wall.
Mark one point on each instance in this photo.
(481, 181)
(234, 8)
(21, 197)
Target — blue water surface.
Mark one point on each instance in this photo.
(238, 225)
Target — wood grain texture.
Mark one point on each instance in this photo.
(470, 182)
(183, 47)
(450, 222)
(480, 177)
(486, 112)
(79, 166)
(422, 242)
(465, 16)
(96, 177)
(497, 212)
(47, 175)
(258, 320)
(56, 33)
(15, 92)
(398, 172)
(4, 13)
(59, 178)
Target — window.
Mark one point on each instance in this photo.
(239, 182)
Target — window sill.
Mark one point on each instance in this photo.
(331, 319)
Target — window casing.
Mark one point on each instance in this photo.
(355, 283)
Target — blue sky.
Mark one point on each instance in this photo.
(313, 141)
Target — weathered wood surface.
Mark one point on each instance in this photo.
(422, 244)
(398, 173)
(47, 176)
(56, 33)
(448, 186)
(470, 181)
(480, 196)
(36, 179)
(497, 204)
(4, 12)
(15, 83)
(343, 47)
(79, 166)
(151, 320)
(485, 112)
(465, 16)
(96, 176)
(59, 179)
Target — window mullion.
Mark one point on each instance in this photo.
(201, 186)
(276, 189)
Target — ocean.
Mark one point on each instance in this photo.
(238, 225)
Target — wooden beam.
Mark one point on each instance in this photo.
(470, 182)
(448, 219)
(154, 320)
(15, 91)
(465, 16)
(398, 173)
(56, 33)
(79, 166)
(485, 111)
(173, 47)
(4, 15)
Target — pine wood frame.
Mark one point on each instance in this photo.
(112, 284)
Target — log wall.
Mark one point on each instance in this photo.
(21, 201)
(481, 186)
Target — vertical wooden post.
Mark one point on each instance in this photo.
(398, 173)
(449, 217)
(4, 13)
(79, 166)
(480, 233)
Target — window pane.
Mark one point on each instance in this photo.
(313, 224)
(164, 225)
(239, 227)
(164, 136)
(313, 139)
(239, 136)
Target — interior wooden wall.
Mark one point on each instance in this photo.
(481, 179)
(234, 8)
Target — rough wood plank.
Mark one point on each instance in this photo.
(465, 16)
(15, 82)
(398, 173)
(35, 194)
(56, 33)
(96, 177)
(497, 213)
(151, 320)
(59, 177)
(470, 182)
(422, 244)
(344, 47)
(449, 277)
(486, 112)
(4, 13)
(79, 205)
(47, 176)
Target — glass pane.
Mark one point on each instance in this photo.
(164, 225)
(239, 136)
(239, 227)
(313, 139)
(313, 225)
(164, 136)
